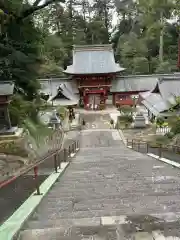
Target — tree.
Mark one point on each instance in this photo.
(102, 12)
(149, 22)
(18, 11)
(19, 56)
(21, 47)
(133, 52)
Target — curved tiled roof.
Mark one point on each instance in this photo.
(141, 83)
(134, 83)
(156, 103)
(169, 88)
(163, 95)
(68, 94)
(60, 88)
(93, 59)
(50, 86)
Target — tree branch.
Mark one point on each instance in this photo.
(35, 8)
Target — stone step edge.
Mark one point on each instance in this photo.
(85, 225)
(169, 217)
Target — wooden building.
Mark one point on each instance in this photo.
(125, 89)
(93, 70)
(162, 98)
(95, 80)
(6, 91)
(60, 91)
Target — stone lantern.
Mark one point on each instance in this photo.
(54, 121)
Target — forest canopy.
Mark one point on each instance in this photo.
(36, 37)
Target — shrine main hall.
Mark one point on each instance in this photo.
(95, 80)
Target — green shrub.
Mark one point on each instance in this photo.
(159, 140)
(13, 147)
(62, 112)
(126, 118)
(169, 135)
(176, 127)
(20, 109)
(127, 110)
(160, 122)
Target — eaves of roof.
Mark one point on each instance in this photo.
(94, 59)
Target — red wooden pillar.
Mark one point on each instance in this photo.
(86, 100)
(114, 99)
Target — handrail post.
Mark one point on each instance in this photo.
(147, 147)
(69, 151)
(59, 159)
(138, 147)
(55, 163)
(65, 155)
(132, 143)
(160, 150)
(36, 180)
(75, 146)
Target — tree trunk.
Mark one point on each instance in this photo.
(70, 8)
(106, 21)
(161, 40)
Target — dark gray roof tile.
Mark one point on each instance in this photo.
(66, 92)
(155, 103)
(150, 108)
(50, 86)
(64, 102)
(134, 83)
(66, 88)
(170, 88)
(93, 59)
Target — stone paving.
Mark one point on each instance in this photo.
(96, 121)
(109, 192)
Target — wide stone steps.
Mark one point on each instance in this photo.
(94, 213)
(111, 234)
(106, 179)
(100, 203)
(108, 205)
(106, 228)
(93, 233)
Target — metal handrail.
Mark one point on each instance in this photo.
(6, 182)
(146, 142)
(136, 145)
(36, 164)
(30, 167)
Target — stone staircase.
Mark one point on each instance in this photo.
(107, 179)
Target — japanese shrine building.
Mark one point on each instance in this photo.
(93, 70)
(162, 97)
(95, 80)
